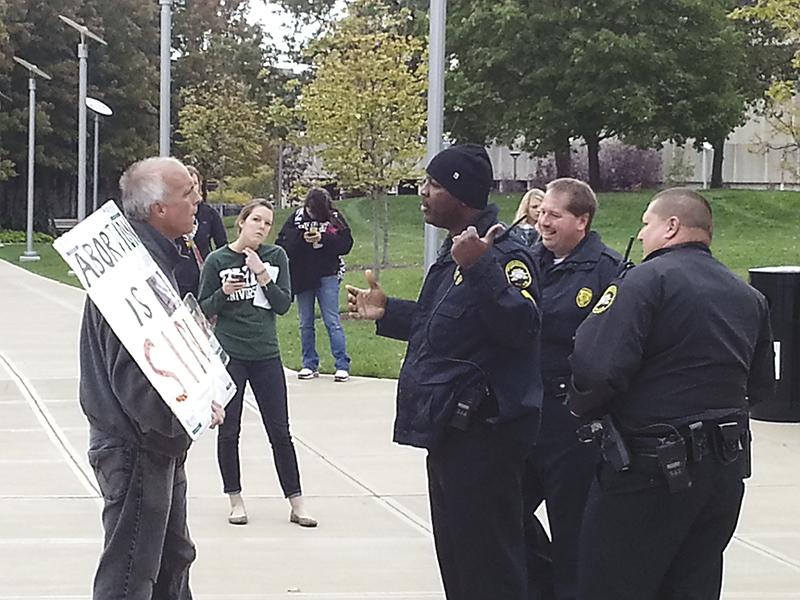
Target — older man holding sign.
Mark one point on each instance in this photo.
(150, 381)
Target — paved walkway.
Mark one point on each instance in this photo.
(374, 539)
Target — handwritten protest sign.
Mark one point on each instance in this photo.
(172, 345)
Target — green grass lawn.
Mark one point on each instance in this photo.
(752, 228)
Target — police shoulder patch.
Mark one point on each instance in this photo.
(584, 297)
(606, 300)
(518, 274)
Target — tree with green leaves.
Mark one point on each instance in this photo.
(213, 42)
(779, 23)
(6, 166)
(364, 109)
(123, 74)
(221, 130)
(644, 72)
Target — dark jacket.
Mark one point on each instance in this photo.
(569, 291)
(308, 264)
(527, 236)
(470, 329)
(115, 395)
(680, 337)
(209, 227)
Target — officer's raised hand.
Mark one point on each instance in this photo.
(468, 246)
(367, 304)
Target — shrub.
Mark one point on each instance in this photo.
(10, 236)
(622, 167)
(228, 196)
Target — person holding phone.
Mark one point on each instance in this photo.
(315, 237)
(245, 285)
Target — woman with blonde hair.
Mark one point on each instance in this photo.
(528, 210)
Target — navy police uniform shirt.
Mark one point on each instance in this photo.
(570, 288)
(569, 291)
(469, 328)
(680, 337)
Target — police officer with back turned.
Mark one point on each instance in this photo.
(668, 363)
(469, 389)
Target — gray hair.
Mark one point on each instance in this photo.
(143, 185)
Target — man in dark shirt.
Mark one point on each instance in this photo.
(196, 245)
(469, 389)
(137, 447)
(674, 353)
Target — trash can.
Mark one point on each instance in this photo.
(781, 286)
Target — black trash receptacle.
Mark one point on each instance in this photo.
(781, 286)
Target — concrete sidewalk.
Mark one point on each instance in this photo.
(374, 539)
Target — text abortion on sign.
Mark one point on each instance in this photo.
(171, 343)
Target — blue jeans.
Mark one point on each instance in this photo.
(269, 388)
(328, 295)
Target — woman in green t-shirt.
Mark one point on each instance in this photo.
(244, 285)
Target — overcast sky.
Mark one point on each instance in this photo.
(275, 21)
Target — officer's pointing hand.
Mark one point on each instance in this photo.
(468, 247)
(367, 304)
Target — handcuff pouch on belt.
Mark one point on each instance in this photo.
(729, 440)
(732, 442)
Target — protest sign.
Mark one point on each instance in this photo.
(173, 346)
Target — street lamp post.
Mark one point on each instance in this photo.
(165, 81)
(98, 108)
(33, 71)
(83, 55)
(438, 18)
(706, 148)
(514, 156)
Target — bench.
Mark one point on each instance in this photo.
(59, 226)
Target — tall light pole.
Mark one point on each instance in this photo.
(33, 72)
(163, 115)
(438, 18)
(514, 156)
(83, 55)
(97, 108)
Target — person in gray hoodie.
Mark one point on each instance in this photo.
(137, 447)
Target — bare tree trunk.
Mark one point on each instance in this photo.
(593, 151)
(719, 158)
(385, 227)
(376, 233)
(563, 155)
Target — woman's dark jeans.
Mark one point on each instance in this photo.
(269, 387)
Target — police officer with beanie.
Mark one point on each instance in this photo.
(469, 390)
(669, 361)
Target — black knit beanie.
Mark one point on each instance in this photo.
(465, 171)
